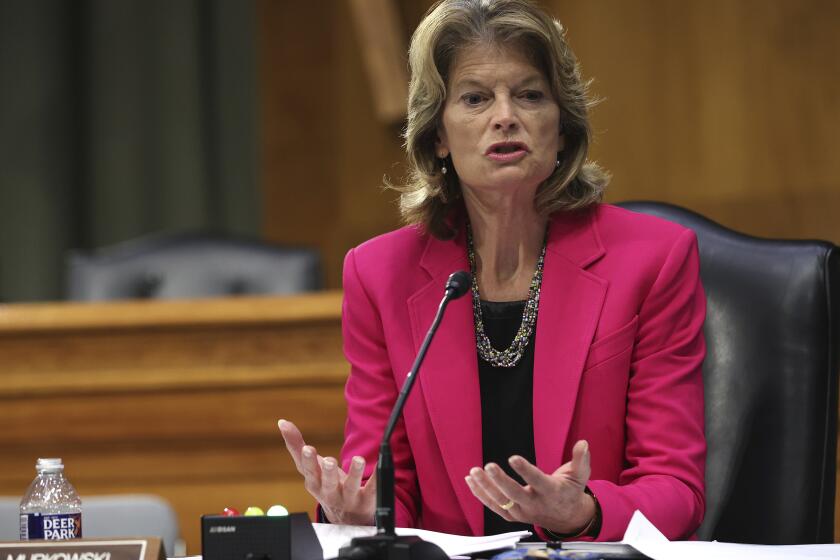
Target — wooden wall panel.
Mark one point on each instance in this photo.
(324, 152)
(728, 108)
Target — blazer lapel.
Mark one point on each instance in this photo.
(449, 376)
(571, 300)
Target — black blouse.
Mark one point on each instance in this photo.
(507, 411)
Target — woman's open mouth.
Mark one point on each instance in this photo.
(506, 152)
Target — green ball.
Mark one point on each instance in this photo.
(254, 510)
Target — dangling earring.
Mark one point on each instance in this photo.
(443, 168)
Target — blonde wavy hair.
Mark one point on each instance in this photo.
(429, 197)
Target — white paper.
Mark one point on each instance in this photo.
(333, 537)
(640, 529)
(647, 539)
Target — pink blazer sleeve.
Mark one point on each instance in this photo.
(665, 443)
(371, 393)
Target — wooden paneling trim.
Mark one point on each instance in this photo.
(107, 315)
(383, 44)
(18, 385)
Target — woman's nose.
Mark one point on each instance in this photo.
(505, 115)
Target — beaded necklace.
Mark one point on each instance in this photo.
(510, 356)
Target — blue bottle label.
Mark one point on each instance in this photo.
(50, 526)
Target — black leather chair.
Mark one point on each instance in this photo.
(190, 265)
(771, 379)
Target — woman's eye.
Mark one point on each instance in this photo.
(473, 98)
(533, 95)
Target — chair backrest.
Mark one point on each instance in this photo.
(129, 515)
(771, 381)
(190, 265)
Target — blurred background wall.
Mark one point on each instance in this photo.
(124, 117)
(119, 118)
(728, 107)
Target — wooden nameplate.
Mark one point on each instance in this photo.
(122, 548)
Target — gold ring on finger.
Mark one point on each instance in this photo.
(508, 505)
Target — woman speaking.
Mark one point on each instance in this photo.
(567, 391)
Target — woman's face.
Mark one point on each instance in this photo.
(500, 124)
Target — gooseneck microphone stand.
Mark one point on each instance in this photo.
(385, 544)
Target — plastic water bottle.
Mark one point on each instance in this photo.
(51, 509)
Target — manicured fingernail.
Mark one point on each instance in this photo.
(474, 471)
(358, 462)
(468, 479)
(329, 464)
(307, 452)
(280, 423)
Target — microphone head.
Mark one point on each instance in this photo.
(458, 284)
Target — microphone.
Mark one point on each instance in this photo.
(386, 545)
(458, 284)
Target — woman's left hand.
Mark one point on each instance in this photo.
(556, 502)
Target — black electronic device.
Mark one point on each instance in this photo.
(259, 537)
(385, 544)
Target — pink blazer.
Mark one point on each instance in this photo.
(618, 355)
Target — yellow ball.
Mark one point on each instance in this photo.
(254, 510)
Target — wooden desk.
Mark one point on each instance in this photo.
(176, 398)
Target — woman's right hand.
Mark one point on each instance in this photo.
(342, 496)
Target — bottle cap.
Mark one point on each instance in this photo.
(49, 465)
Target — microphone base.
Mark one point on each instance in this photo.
(391, 547)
